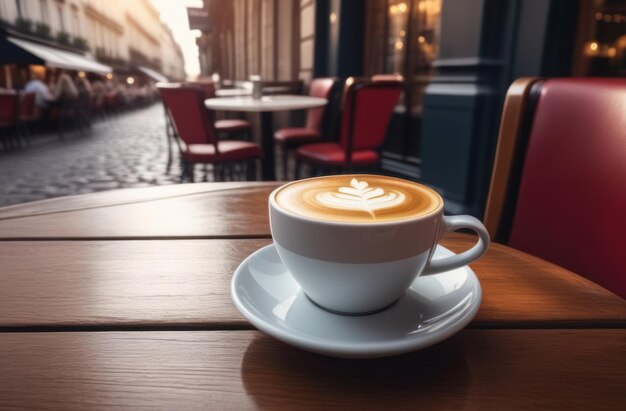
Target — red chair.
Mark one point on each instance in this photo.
(28, 113)
(196, 135)
(290, 138)
(8, 118)
(558, 188)
(226, 126)
(367, 109)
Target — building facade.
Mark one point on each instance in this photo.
(458, 58)
(119, 33)
(270, 38)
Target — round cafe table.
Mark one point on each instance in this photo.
(122, 299)
(266, 106)
(233, 92)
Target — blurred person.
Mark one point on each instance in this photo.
(65, 88)
(43, 95)
(85, 92)
(83, 85)
(52, 82)
(98, 88)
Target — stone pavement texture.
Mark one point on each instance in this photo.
(128, 150)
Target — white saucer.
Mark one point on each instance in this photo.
(434, 308)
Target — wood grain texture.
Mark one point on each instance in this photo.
(186, 284)
(476, 369)
(217, 213)
(524, 290)
(117, 197)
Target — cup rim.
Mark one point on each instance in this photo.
(274, 205)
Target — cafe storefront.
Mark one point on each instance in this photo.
(458, 58)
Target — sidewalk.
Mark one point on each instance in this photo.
(128, 150)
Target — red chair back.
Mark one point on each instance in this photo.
(8, 107)
(320, 87)
(367, 109)
(207, 86)
(573, 184)
(185, 106)
(28, 109)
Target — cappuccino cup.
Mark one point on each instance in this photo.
(355, 243)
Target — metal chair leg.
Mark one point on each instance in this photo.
(285, 153)
(298, 169)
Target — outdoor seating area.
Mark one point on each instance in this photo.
(69, 103)
(316, 204)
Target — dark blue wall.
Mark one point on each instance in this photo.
(339, 45)
(485, 45)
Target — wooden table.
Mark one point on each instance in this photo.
(266, 106)
(121, 299)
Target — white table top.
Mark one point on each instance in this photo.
(232, 92)
(267, 103)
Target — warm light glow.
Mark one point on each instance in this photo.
(399, 44)
(422, 6)
(617, 18)
(130, 80)
(608, 18)
(593, 46)
(402, 7)
(333, 17)
(109, 76)
(421, 39)
(402, 33)
(393, 9)
(215, 77)
(81, 74)
(611, 52)
(599, 16)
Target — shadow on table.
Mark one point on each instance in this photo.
(278, 375)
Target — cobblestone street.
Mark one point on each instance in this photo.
(128, 150)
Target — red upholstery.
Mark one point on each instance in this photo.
(8, 108)
(333, 154)
(232, 125)
(297, 134)
(320, 87)
(28, 108)
(231, 150)
(372, 107)
(572, 193)
(366, 113)
(189, 117)
(192, 124)
(223, 126)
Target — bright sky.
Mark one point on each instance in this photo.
(174, 14)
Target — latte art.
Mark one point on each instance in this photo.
(360, 197)
(357, 198)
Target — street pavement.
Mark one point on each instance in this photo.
(128, 150)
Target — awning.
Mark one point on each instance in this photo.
(52, 57)
(154, 75)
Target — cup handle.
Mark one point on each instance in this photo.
(453, 223)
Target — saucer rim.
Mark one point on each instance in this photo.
(355, 349)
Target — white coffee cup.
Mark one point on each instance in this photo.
(359, 268)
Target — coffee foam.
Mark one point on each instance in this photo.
(357, 198)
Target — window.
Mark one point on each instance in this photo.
(75, 22)
(403, 38)
(43, 9)
(601, 41)
(61, 19)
